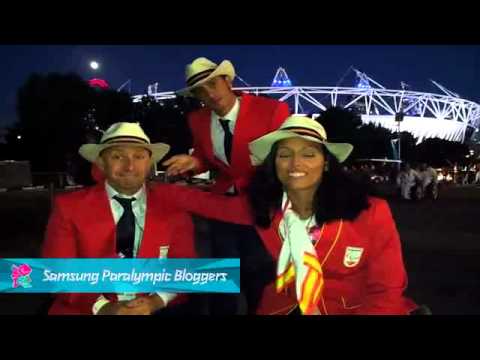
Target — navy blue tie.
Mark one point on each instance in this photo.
(126, 228)
(228, 139)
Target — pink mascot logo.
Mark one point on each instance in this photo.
(21, 276)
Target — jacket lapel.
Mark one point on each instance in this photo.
(329, 240)
(97, 226)
(155, 233)
(206, 134)
(271, 237)
(240, 154)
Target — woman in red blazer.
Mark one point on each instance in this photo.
(334, 249)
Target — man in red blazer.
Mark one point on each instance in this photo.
(221, 132)
(246, 117)
(121, 216)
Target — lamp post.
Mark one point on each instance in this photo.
(399, 118)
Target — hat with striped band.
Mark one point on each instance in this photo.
(124, 133)
(297, 126)
(201, 70)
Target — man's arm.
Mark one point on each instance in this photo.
(198, 154)
(145, 305)
(234, 209)
(182, 243)
(59, 239)
(196, 163)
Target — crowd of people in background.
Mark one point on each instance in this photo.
(467, 174)
(414, 181)
(417, 182)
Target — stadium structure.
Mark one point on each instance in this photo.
(423, 114)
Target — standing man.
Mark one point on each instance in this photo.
(406, 180)
(429, 180)
(221, 132)
(121, 216)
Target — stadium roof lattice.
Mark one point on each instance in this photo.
(427, 115)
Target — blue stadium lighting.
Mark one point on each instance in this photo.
(363, 84)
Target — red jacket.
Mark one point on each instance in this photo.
(257, 117)
(97, 174)
(81, 225)
(373, 286)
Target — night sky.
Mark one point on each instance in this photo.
(455, 67)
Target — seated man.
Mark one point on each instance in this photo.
(122, 216)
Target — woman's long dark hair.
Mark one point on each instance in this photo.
(339, 196)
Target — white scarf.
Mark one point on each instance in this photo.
(298, 260)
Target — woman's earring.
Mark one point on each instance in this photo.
(325, 168)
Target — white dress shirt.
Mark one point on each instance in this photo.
(217, 132)
(138, 208)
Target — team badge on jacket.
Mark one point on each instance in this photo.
(352, 256)
(163, 252)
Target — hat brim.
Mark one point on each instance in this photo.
(225, 68)
(260, 148)
(91, 152)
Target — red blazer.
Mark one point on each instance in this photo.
(373, 286)
(96, 174)
(81, 225)
(257, 117)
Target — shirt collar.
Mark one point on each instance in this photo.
(231, 115)
(139, 195)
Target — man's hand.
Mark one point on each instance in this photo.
(120, 308)
(180, 164)
(145, 305)
(151, 302)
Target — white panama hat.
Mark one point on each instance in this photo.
(297, 126)
(201, 70)
(124, 133)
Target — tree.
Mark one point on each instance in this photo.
(344, 125)
(340, 124)
(372, 141)
(56, 114)
(439, 152)
(111, 106)
(166, 121)
(408, 147)
(51, 111)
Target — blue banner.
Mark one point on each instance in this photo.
(119, 275)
